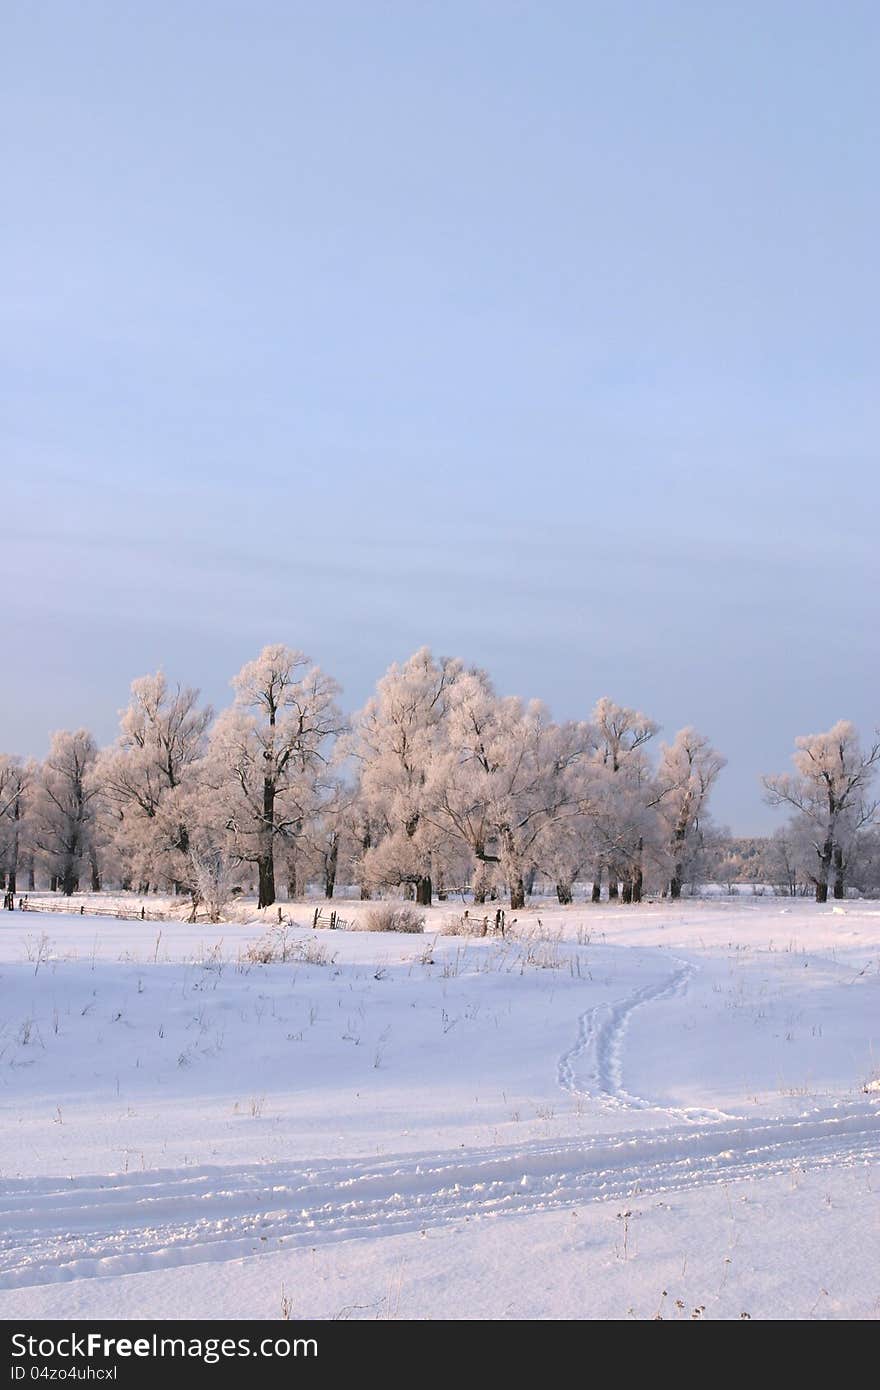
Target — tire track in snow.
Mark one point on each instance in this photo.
(593, 1067)
(55, 1229)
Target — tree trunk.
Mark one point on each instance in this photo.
(825, 857)
(563, 892)
(424, 891)
(839, 868)
(627, 890)
(513, 871)
(330, 862)
(678, 850)
(69, 875)
(613, 886)
(266, 873)
(638, 885)
(479, 882)
(638, 873)
(53, 883)
(596, 895)
(291, 882)
(95, 871)
(366, 843)
(13, 848)
(266, 861)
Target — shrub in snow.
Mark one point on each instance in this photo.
(465, 925)
(541, 955)
(279, 946)
(311, 952)
(393, 917)
(275, 947)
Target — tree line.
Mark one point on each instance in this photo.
(438, 785)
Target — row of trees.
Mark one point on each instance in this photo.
(438, 784)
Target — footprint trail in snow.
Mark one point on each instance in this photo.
(593, 1066)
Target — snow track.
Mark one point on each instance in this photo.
(593, 1067)
(61, 1229)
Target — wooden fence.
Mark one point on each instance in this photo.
(142, 914)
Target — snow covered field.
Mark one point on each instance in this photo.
(618, 1112)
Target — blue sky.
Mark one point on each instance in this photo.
(545, 334)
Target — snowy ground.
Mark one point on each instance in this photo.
(620, 1112)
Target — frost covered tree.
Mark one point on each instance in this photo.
(63, 810)
(329, 842)
(786, 858)
(565, 852)
(830, 790)
(865, 862)
(509, 775)
(310, 847)
(16, 778)
(398, 740)
(621, 797)
(459, 800)
(688, 770)
(325, 843)
(214, 872)
(267, 754)
(149, 779)
(361, 830)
